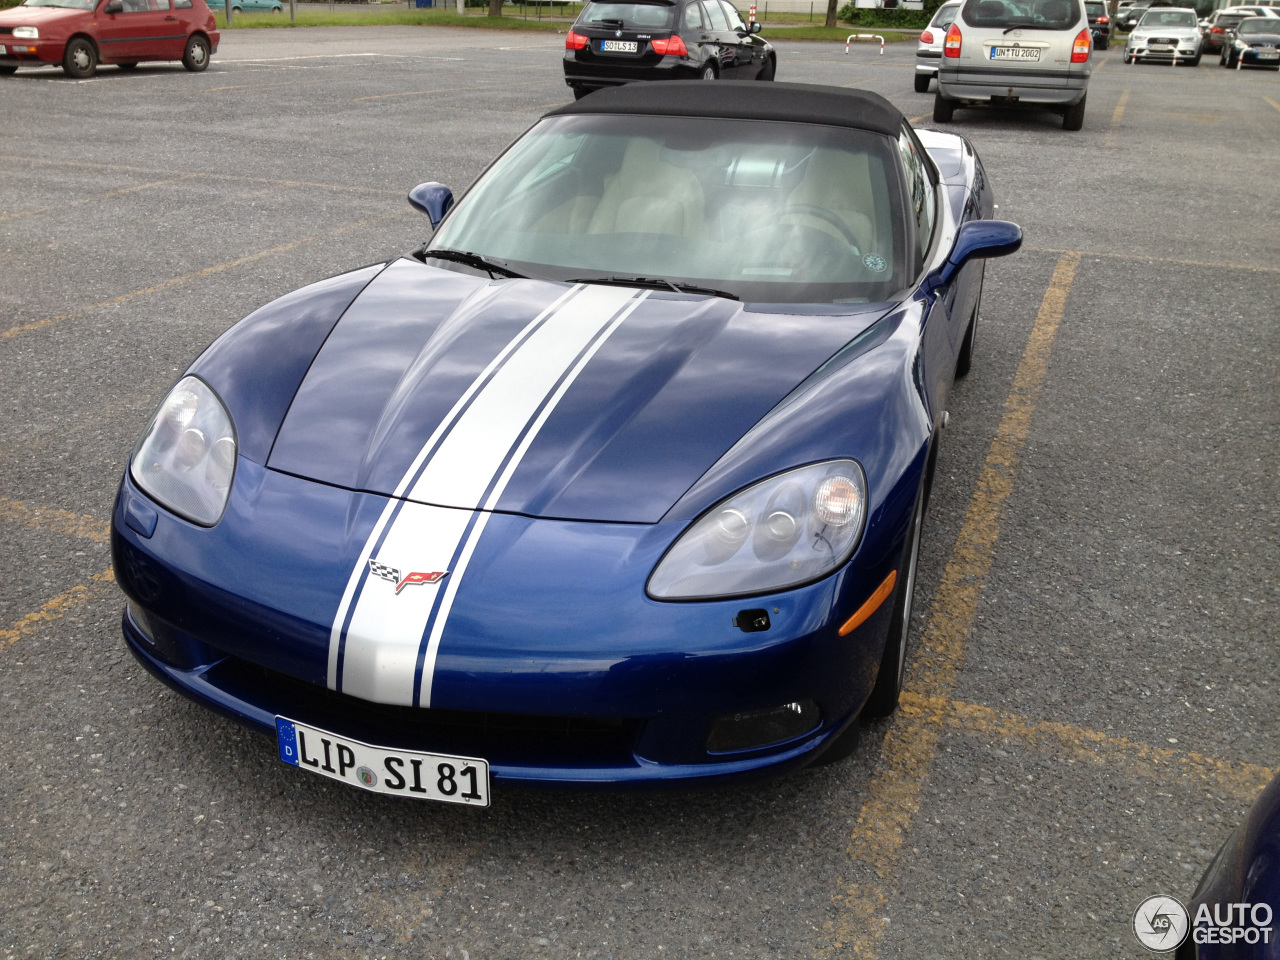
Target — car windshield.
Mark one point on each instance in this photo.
(68, 4)
(1168, 18)
(766, 212)
(646, 16)
(1258, 25)
(1031, 14)
(1096, 9)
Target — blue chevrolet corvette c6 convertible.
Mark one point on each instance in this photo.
(618, 480)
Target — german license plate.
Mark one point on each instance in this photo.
(401, 773)
(1015, 53)
(619, 46)
(3, 51)
(1269, 55)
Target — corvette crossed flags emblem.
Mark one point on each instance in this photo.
(392, 574)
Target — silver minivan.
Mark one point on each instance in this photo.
(1017, 52)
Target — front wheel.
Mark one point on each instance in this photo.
(580, 92)
(708, 73)
(1073, 116)
(1194, 61)
(893, 662)
(196, 57)
(80, 59)
(1104, 43)
(769, 69)
(1128, 59)
(922, 82)
(943, 109)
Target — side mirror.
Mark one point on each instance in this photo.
(753, 27)
(115, 6)
(977, 240)
(433, 199)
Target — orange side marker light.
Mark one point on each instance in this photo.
(871, 606)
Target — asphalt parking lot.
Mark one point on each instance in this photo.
(1092, 701)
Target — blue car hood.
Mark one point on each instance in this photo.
(545, 399)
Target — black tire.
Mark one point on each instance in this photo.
(1194, 61)
(126, 66)
(769, 70)
(943, 109)
(965, 359)
(1104, 43)
(1128, 59)
(922, 82)
(580, 92)
(893, 663)
(708, 72)
(196, 57)
(80, 59)
(7, 70)
(1073, 116)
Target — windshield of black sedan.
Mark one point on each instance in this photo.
(769, 212)
(644, 16)
(1263, 25)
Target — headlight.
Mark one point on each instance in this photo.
(779, 533)
(26, 33)
(187, 457)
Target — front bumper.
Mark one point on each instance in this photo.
(1142, 52)
(31, 53)
(1000, 86)
(591, 686)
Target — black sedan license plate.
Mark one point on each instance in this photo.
(619, 46)
(402, 773)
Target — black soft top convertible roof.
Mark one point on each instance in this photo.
(744, 100)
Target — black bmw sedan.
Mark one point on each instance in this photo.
(612, 43)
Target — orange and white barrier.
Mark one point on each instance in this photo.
(751, 14)
(864, 36)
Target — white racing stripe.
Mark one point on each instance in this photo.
(467, 462)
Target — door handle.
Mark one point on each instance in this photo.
(171, 18)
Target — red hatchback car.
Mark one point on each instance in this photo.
(79, 34)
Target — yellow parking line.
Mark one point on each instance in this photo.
(207, 271)
(260, 86)
(59, 521)
(893, 796)
(56, 608)
(411, 93)
(1272, 102)
(1139, 258)
(100, 196)
(1240, 779)
(1116, 114)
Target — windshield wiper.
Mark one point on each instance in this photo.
(657, 283)
(475, 260)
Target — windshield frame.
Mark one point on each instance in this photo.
(906, 265)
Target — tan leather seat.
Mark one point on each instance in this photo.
(648, 195)
(839, 182)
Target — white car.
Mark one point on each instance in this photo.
(929, 49)
(1166, 34)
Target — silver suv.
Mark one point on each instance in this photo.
(1033, 52)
